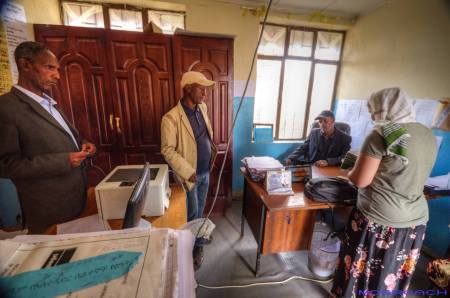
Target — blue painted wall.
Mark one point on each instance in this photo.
(438, 229)
(244, 146)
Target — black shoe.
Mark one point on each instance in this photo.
(197, 255)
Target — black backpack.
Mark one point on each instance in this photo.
(331, 190)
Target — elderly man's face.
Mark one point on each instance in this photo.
(43, 71)
(326, 124)
(197, 93)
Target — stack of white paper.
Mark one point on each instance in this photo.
(257, 167)
(439, 182)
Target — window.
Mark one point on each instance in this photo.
(165, 21)
(295, 78)
(120, 17)
(123, 19)
(83, 14)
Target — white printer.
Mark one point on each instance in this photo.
(113, 192)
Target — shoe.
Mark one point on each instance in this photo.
(197, 255)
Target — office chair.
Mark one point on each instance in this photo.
(342, 126)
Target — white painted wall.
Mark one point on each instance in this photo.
(404, 43)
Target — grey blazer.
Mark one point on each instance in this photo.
(34, 154)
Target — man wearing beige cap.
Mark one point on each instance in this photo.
(187, 146)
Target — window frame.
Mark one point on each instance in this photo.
(313, 61)
(106, 19)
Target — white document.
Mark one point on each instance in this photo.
(156, 273)
(83, 225)
(17, 31)
(425, 110)
(356, 114)
(439, 182)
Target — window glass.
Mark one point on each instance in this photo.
(266, 95)
(300, 43)
(83, 14)
(295, 94)
(322, 92)
(123, 19)
(272, 41)
(166, 22)
(328, 46)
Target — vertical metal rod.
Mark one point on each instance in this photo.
(260, 237)
(244, 200)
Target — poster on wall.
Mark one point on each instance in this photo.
(356, 113)
(5, 72)
(14, 31)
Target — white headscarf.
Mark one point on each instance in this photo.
(391, 105)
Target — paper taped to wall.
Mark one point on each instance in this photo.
(356, 113)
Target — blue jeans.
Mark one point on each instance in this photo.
(197, 196)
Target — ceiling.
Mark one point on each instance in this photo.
(347, 8)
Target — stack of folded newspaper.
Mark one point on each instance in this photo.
(257, 167)
(123, 263)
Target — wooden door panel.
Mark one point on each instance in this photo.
(142, 75)
(83, 92)
(213, 58)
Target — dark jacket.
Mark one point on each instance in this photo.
(34, 154)
(340, 144)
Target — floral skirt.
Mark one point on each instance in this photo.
(376, 260)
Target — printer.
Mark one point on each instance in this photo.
(114, 191)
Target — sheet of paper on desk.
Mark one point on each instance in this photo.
(439, 182)
(83, 225)
(156, 273)
(296, 201)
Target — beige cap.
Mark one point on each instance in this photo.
(195, 77)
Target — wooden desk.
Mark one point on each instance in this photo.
(282, 223)
(174, 217)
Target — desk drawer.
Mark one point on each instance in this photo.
(288, 230)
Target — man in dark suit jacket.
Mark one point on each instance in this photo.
(325, 146)
(40, 150)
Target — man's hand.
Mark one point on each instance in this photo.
(288, 162)
(193, 178)
(76, 158)
(89, 148)
(321, 163)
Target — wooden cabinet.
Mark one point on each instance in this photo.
(115, 87)
(84, 91)
(142, 80)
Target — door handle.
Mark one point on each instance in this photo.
(118, 125)
(111, 118)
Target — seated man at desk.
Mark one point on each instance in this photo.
(325, 146)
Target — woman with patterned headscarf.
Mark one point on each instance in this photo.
(385, 231)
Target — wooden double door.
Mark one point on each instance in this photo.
(115, 87)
